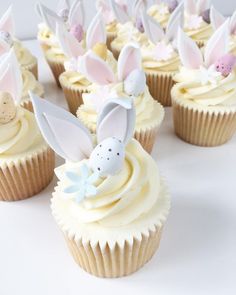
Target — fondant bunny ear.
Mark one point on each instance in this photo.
(70, 46)
(138, 6)
(117, 119)
(190, 54)
(96, 32)
(232, 24)
(120, 14)
(63, 132)
(152, 28)
(190, 6)
(217, 45)
(96, 69)
(175, 21)
(202, 5)
(77, 13)
(7, 22)
(129, 60)
(10, 76)
(62, 5)
(217, 19)
(50, 18)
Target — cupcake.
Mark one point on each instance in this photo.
(26, 161)
(7, 40)
(204, 97)
(129, 82)
(129, 28)
(110, 202)
(73, 18)
(160, 57)
(197, 21)
(73, 82)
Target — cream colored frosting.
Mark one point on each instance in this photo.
(189, 87)
(30, 84)
(45, 35)
(149, 113)
(203, 33)
(23, 55)
(160, 13)
(112, 27)
(19, 136)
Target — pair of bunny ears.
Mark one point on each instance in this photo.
(96, 33)
(10, 76)
(196, 7)
(98, 71)
(155, 32)
(217, 46)
(217, 19)
(51, 19)
(70, 139)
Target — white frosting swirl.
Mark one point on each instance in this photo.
(160, 12)
(23, 55)
(30, 84)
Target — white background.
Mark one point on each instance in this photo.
(197, 255)
(27, 19)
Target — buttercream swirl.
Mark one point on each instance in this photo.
(160, 13)
(189, 87)
(23, 55)
(112, 27)
(20, 134)
(45, 35)
(30, 84)
(203, 33)
(120, 199)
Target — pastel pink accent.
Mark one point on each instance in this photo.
(152, 29)
(107, 13)
(96, 32)
(217, 19)
(77, 31)
(7, 23)
(190, 54)
(76, 14)
(194, 22)
(163, 51)
(226, 64)
(190, 6)
(217, 46)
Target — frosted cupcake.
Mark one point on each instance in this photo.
(26, 161)
(110, 201)
(197, 21)
(160, 56)
(129, 82)
(204, 97)
(73, 18)
(7, 40)
(73, 82)
(129, 28)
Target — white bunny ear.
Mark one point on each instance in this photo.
(138, 6)
(70, 46)
(190, 6)
(217, 45)
(7, 22)
(62, 5)
(96, 70)
(217, 19)
(117, 119)
(130, 59)
(175, 22)
(10, 76)
(96, 32)
(63, 132)
(203, 5)
(50, 18)
(152, 28)
(232, 24)
(120, 14)
(190, 54)
(77, 13)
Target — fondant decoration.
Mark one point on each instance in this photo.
(78, 32)
(193, 22)
(133, 84)
(71, 140)
(7, 22)
(172, 5)
(163, 51)
(96, 32)
(209, 75)
(107, 13)
(217, 19)
(6, 38)
(120, 11)
(163, 9)
(81, 185)
(233, 24)
(206, 16)
(197, 12)
(100, 49)
(7, 107)
(139, 25)
(226, 64)
(63, 10)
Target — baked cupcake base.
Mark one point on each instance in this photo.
(26, 177)
(57, 69)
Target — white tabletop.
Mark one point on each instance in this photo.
(197, 254)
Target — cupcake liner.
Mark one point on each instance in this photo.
(160, 85)
(114, 252)
(27, 104)
(25, 178)
(33, 68)
(203, 127)
(57, 69)
(74, 96)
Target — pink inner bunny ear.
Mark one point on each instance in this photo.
(120, 14)
(63, 132)
(7, 22)
(96, 32)
(218, 44)
(129, 60)
(190, 54)
(117, 119)
(70, 46)
(175, 22)
(49, 17)
(77, 14)
(203, 5)
(217, 19)
(190, 6)
(152, 29)
(96, 70)
(10, 76)
(233, 23)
